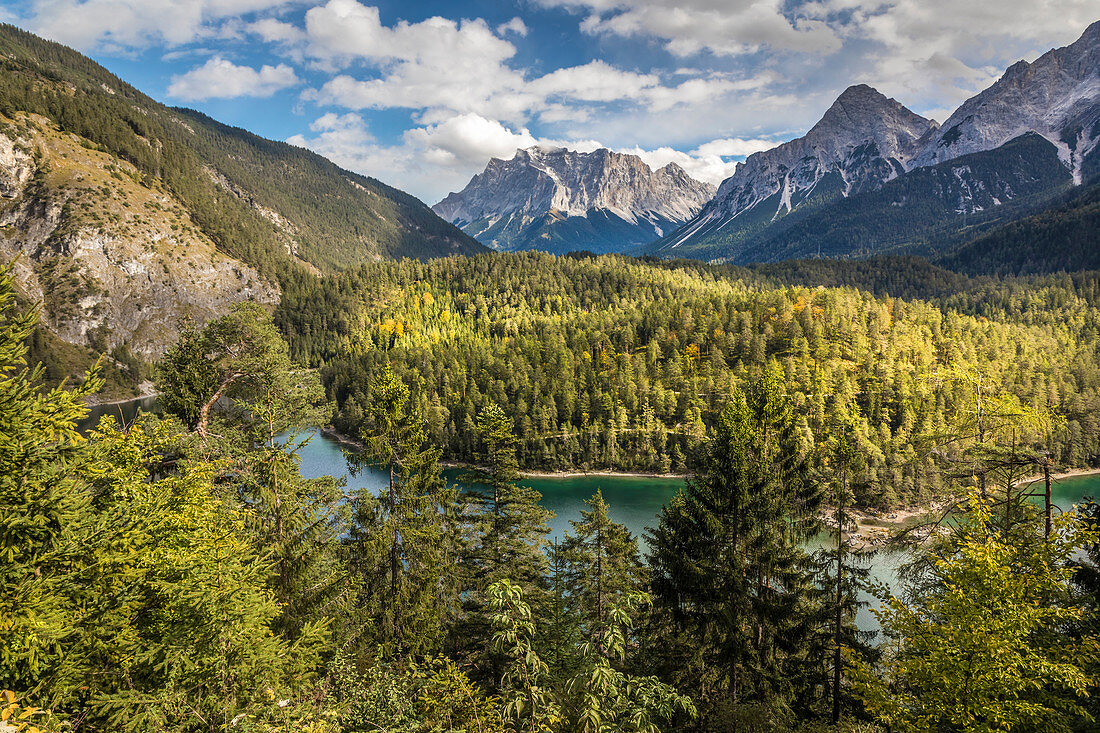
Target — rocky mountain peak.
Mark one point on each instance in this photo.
(1057, 96)
(862, 141)
(568, 185)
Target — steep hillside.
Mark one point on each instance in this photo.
(265, 202)
(917, 211)
(1065, 237)
(114, 257)
(557, 200)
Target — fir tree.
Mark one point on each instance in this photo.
(396, 540)
(726, 558)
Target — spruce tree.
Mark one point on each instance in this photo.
(511, 530)
(602, 565)
(842, 574)
(397, 538)
(728, 568)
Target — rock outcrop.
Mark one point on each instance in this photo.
(112, 256)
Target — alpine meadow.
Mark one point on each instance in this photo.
(718, 391)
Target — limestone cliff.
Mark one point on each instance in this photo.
(112, 256)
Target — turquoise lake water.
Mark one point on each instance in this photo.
(634, 501)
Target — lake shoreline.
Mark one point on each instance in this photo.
(146, 391)
(895, 516)
(343, 439)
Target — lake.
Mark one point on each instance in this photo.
(633, 501)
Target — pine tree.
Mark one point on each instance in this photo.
(241, 358)
(727, 564)
(396, 540)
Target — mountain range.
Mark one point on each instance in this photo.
(557, 200)
(874, 177)
(125, 217)
(870, 177)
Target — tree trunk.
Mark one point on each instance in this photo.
(204, 411)
(1049, 504)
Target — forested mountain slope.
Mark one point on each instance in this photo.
(129, 216)
(613, 363)
(260, 200)
(1064, 237)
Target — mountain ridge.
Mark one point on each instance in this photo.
(828, 172)
(537, 199)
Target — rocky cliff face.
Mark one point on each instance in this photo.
(111, 255)
(1057, 96)
(862, 141)
(556, 199)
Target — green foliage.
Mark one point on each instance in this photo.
(397, 538)
(433, 695)
(240, 357)
(508, 528)
(529, 702)
(137, 600)
(980, 648)
(602, 567)
(612, 363)
(728, 569)
(605, 698)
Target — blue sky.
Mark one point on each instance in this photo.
(422, 94)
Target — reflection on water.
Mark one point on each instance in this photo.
(123, 412)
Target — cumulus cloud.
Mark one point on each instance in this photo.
(937, 53)
(690, 26)
(221, 79)
(137, 24)
(273, 30)
(431, 160)
(515, 25)
(929, 53)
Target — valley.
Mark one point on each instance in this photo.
(590, 445)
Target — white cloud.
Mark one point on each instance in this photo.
(434, 64)
(129, 24)
(936, 53)
(515, 25)
(431, 160)
(468, 140)
(734, 147)
(220, 79)
(277, 31)
(728, 28)
(931, 54)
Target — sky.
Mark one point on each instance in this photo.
(422, 94)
